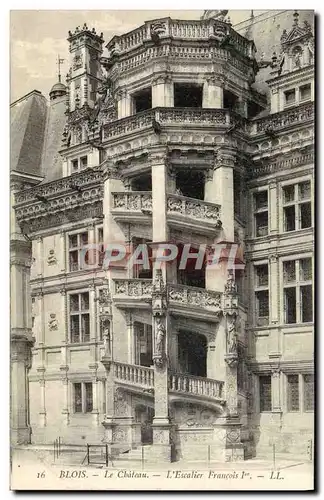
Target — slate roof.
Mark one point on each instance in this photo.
(27, 124)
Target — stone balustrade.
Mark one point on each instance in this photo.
(182, 30)
(282, 119)
(79, 180)
(134, 374)
(195, 209)
(169, 117)
(136, 288)
(195, 297)
(135, 201)
(200, 386)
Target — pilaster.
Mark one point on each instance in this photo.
(213, 92)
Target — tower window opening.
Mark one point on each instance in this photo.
(142, 183)
(230, 99)
(253, 109)
(142, 100)
(188, 95)
(190, 183)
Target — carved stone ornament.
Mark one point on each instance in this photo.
(230, 286)
(52, 322)
(51, 259)
(220, 32)
(231, 360)
(77, 61)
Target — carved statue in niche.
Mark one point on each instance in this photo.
(105, 332)
(297, 54)
(231, 334)
(159, 336)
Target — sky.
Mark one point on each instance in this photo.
(38, 36)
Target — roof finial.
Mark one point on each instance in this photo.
(296, 16)
(59, 62)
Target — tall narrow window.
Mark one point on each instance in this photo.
(293, 392)
(79, 318)
(261, 213)
(265, 393)
(82, 397)
(77, 250)
(308, 392)
(297, 208)
(262, 294)
(298, 293)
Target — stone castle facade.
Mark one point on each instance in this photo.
(190, 132)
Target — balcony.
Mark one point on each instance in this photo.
(187, 301)
(169, 118)
(141, 378)
(132, 206)
(193, 214)
(133, 293)
(182, 212)
(195, 302)
(284, 119)
(190, 385)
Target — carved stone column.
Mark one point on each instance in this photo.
(105, 319)
(233, 447)
(19, 401)
(161, 326)
(161, 95)
(213, 92)
(224, 190)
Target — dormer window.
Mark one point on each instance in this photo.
(290, 97)
(305, 92)
(79, 164)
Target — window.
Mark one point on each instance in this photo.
(83, 162)
(142, 100)
(297, 206)
(308, 381)
(298, 293)
(261, 213)
(290, 96)
(305, 92)
(79, 164)
(293, 392)
(75, 165)
(187, 95)
(265, 393)
(77, 250)
(262, 294)
(82, 397)
(79, 318)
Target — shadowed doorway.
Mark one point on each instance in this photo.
(192, 353)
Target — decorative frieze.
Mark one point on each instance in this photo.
(66, 215)
(284, 119)
(60, 186)
(134, 201)
(194, 297)
(267, 167)
(133, 287)
(195, 209)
